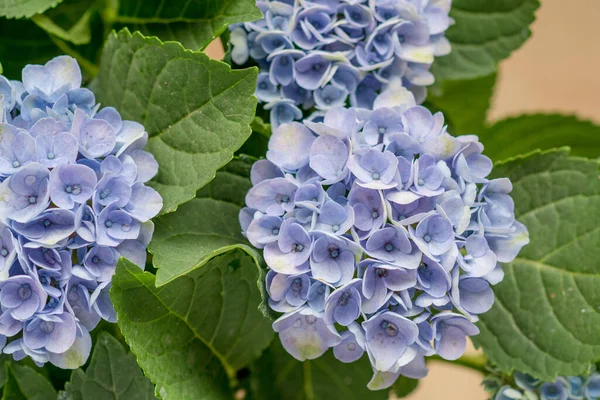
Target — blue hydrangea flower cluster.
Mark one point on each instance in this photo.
(72, 201)
(382, 235)
(563, 388)
(320, 53)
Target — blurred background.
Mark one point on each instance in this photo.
(556, 70)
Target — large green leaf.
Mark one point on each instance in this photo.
(197, 110)
(279, 376)
(25, 8)
(485, 32)
(513, 136)
(204, 227)
(194, 23)
(190, 335)
(464, 103)
(23, 383)
(546, 317)
(112, 374)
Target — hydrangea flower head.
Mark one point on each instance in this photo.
(322, 54)
(383, 235)
(73, 200)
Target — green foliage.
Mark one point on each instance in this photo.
(278, 376)
(74, 28)
(23, 383)
(514, 136)
(197, 110)
(546, 319)
(404, 386)
(465, 103)
(69, 21)
(25, 8)
(204, 227)
(485, 33)
(112, 375)
(193, 23)
(193, 333)
(23, 42)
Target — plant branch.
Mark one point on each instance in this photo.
(475, 362)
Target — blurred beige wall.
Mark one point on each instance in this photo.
(557, 70)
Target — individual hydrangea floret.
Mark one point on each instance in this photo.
(383, 235)
(527, 387)
(73, 200)
(325, 53)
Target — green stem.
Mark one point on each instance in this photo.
(475, 362)
(88, 66)
(109, 15)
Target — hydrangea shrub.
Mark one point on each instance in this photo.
(382, 234)
(325, 53)
(376, 237)
(73, 199)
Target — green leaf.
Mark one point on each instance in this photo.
(485, 32)
(513, 136)
(197, 110)
(23, 383)
(192, 334)
(69, 21)
(197, 232)
(193, 23)
(23, 42)
(464, 103)
(546, 317)
(279, 376)
(25, 8)
(204, 227)
(113, 374)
